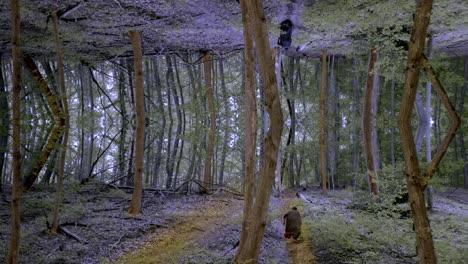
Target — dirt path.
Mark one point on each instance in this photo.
(209, 234)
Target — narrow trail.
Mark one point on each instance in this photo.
(210, 232)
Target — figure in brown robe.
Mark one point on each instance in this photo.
(292, 221)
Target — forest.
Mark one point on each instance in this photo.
(157, 131)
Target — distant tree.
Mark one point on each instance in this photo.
(66, 116)
(323, 122)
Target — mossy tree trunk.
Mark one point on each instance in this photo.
(135, 205)
(4, 121)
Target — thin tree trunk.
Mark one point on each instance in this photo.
(334, 113)
(5, 122)
(367, 126)
(249, 252)
(135, 205)
(323, 122)
(66, 115)
(355, 122)
(182, 120)
(13, 252)
(170, 157)
(211, 135)
(124, 123)
(162, 127)
(227, 122)
(417, 184)
(392, 129)
(59, 123)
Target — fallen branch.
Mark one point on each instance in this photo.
(67, 232)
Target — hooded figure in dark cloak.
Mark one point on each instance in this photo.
(292, 221)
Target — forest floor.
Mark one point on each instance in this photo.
(206, 229)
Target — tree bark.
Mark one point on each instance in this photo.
(250, 125)
(367, 126)
(162, 126)
(417, 184)
(356, 115)
(5, 123)
(249, 252)
(323, 122)
(13, 252)
(66, 116)
(334, 126)
(211, 135)
(135, 205)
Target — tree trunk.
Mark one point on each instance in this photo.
(334, 127)
(323, 122)
(250, 126)
(58, 128)
(417, 184)
(13, 252)
(356, 115)
(161, 127)
(392, 129)
(367, 126)
(66, 115)
(210, 146)
(227, 122)
(124, 123)
(5, 123)
(170, 158)
(250, 250)
(135, 205)
(181, 119)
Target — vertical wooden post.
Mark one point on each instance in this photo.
(135, 206)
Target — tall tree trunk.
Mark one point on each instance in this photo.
(250, 125)
(334, 127)
(66, 115)
(367, 126)
(124, 123)
(181, 119)
(162, 126)
(249, 252)
(13, 252)
(135, 205)
(4, 121)
(417, 184)
(323, 122)
(227, 122)
(170, 151)
(211, 135)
